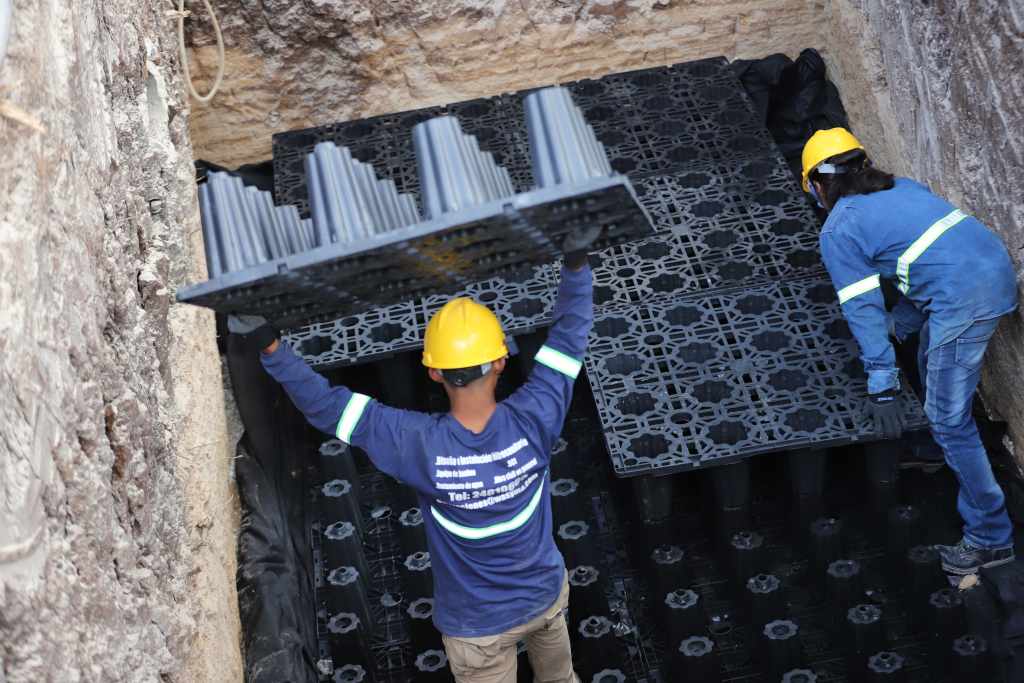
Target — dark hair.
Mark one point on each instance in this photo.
(860, 177)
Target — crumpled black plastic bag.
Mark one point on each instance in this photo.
(275, 572)
(794, 99)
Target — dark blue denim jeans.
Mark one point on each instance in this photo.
(950, 375)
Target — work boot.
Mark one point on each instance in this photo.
(964, 558)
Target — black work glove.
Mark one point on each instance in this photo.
(886, 413)
(256, 333)
(576, 245)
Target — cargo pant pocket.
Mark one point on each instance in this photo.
(467, 656)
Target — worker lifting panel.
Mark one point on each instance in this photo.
(370, 246)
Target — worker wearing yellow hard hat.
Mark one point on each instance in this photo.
(480, 470)
(462, 340)
(954, 280)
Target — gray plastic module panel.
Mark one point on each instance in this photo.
(368, 254)
(439, 256)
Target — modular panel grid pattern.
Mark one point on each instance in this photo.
(730, 223)
(682, 383)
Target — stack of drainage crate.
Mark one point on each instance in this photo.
(715, 339)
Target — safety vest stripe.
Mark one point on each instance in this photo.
(860, 287)
(556, 360)
(919, 246)
(350, 416)
(477, 533)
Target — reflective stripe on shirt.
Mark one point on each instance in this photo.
(556, 360)
(919, 246)
(860, 287)
(350, 416)
(477, 533)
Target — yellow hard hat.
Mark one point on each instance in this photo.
(461, 335)
(823, 145)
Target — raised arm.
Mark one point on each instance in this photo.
(544, 398)
(383, 432)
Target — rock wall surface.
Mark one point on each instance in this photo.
(293, 65)
(117, 520)
(937, 88)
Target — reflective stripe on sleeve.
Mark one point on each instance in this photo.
(556, 360)
(350, 416)
(919, 246)
(860, 287)
(477, 533)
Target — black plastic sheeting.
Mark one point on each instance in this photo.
(275, 570)
(793, 98)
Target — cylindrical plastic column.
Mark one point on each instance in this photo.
(972, 660)
(668, 569)
(586, 593)
(780, 647)
(598, 647)
(732, 499)
(566, 501)
(748, 557)
(765, 600)
(946, 622)
(421, 626)
(575, 541)
(844, 584)
(417, 576)
(347, 591)
(886, 667)
(411, 533)
(683, 616)
(696, 658)
(826, 546)
(865, 635)
(806, 469)
(431, 666)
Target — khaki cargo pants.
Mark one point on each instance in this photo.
(492, 659)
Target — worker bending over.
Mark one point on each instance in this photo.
(955, 280)
(480, 472)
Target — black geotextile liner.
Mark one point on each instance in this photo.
(275, 565)
(792, 98)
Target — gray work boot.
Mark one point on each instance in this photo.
(964, 558)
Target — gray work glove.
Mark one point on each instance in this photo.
(886, 413)
(576, 245)
(256, 333)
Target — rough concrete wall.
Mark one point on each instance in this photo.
(292, 65)
(938, 87)
(117, 519)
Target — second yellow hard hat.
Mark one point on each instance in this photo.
(823, 145)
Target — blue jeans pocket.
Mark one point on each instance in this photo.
(969, 352)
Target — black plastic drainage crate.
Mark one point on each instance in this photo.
(732, 227)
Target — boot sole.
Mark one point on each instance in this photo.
(959, 571)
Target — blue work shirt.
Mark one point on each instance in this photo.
(485, 497)
(950, 269)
